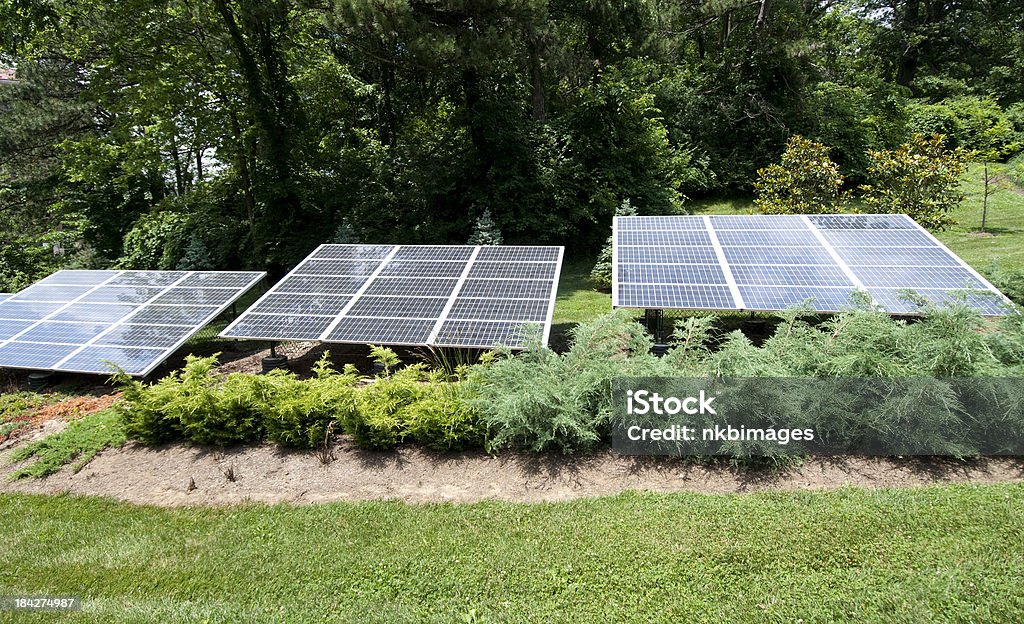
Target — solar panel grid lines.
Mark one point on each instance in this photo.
(93, 340)
(776, 261)
(414, 290)
(455, 293)
(362, 289)
(850, 275)
(730, 280)
(978, 276)
(108, 320)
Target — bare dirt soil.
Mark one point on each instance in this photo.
(177, 475)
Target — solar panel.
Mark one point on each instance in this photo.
(94, 321)
(771, 262)
(443, 295)
(5, 296)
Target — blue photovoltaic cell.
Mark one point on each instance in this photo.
(743, 222)
(121, 294)
(353, 268)
(411, 287)
(499, 310)
(69, 333)
(279, 327)
(772, 275)
(408, 293)
(353, 252)
(434, 252)
(89, 316)
(4, 296)
(398, 307)
(319, 284)
(896, 256)
(672, 224)
(518, 254)
(197, 296)
(878, 238)
(767, 238)
(131, 360)
(485, 333)
(147, 278)
(9, 329)
(93, 312)
(780, 298)
(174, 315)
(667, 255)
(381, 330)
(777, 261)
(506, 289)
(514, 270)
(410, 268)
(316, 305)
(131, 335)
(33, 355)
(902, 301)
(777, 255)
(682, 296)
(664, 238)
(909, 277)
(80, 278)
(862, 222)
(671, 274)
(51, 292)
(27, 310)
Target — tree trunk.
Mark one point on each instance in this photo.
(762, 15)
(243, 173)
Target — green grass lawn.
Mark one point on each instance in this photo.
(938, 554)
(1005, 220)
(577, 300)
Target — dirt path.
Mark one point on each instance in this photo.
(163, 476)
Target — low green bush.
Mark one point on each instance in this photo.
(413, 404)
(298, 413)
(540, 400)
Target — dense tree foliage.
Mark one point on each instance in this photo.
(241, 133)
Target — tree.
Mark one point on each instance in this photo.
(485, 231)
(806, 181)
(921, 179)
(601, 274)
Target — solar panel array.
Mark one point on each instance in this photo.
(90, 321)
(442, 295)
(771, 262)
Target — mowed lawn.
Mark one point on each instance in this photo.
(936, 554)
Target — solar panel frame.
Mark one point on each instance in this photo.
(814, 249)
(53, 326)
(414, 289)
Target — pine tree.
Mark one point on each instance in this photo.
(601, 274)
(485, 231)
